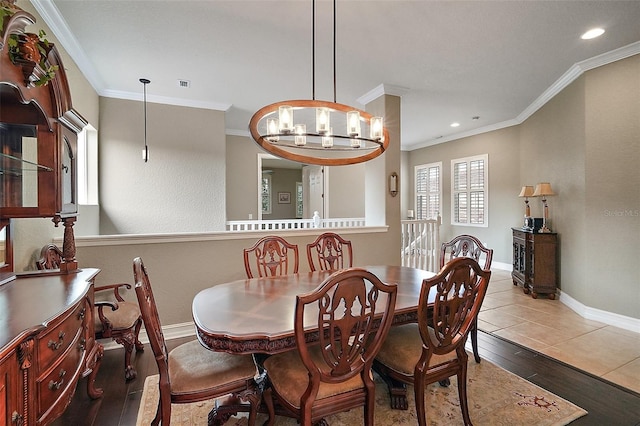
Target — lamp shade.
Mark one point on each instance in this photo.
(526, 191)
(542, 189)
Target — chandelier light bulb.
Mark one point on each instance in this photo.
(353, 124)
(285, 115)
(327, 139)
(376, 128)
(300, 131)
(322, 120)
(272, 129)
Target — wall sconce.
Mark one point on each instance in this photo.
(393, 184)
(543, 190)
(526, 192)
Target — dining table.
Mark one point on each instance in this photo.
(256, 316)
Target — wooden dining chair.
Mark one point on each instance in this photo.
(190, 372)
(271, 256)
(329, 250)
(468, 246)
(433, 349)
(115, 319)
(333, 374)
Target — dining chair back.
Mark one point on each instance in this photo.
(190, 372)
(468, 246)
(434, 349)
(329, 249)
(115, 318)
(352, 310)
(271, 256)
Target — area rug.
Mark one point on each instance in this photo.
(496, 397)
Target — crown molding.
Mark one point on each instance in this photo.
(165, 100)
(52, 17)
(576, 71)
(383, 89)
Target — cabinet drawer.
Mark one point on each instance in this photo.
(54, 389)
(519, 235)
(53, 343)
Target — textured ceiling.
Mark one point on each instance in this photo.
(449, 60)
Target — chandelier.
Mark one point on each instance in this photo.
(319, 132)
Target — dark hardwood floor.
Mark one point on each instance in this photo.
(607, 403)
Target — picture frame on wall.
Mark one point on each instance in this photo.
(284, 198)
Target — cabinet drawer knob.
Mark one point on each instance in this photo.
(57, 385)
(82, 344)
(54, 346)
(81, 313)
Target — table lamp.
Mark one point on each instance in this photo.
(543, 190)
(526, 192)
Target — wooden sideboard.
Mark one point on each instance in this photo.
(47, 343)
(535, 262)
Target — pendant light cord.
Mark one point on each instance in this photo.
(313, 50)
(334, 51)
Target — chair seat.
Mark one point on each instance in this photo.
(402, 349)
(121, 319)
(290, 377)
(193, 368)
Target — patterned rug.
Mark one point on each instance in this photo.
(496, 397)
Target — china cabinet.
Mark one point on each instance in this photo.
(38, 130)
(47, 332)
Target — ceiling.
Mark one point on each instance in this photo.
(450, 61)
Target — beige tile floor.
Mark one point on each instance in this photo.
(552, 328)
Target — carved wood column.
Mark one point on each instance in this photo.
(69, 263)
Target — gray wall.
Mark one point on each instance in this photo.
(505, 208)
(586, 143)
(182, 186)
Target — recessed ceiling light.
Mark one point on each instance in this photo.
(455, 124)
(593, 33)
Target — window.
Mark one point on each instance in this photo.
(469, 190)
(266, 193)
(88, 166)
(428, 190)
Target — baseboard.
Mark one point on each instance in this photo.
(173, 331)
(609, 318)
(502, 266)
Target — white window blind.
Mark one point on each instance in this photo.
(428, 189)
(469, 189)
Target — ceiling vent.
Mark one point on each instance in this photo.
(185, 84)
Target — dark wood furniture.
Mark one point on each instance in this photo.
(190, 372)
(255, 316)
(434, 349)
(468, 246)
(334, 375)
(271, 256)
(330, 250)
(535, 262)
(116, 319)
(38, 131)
(47, 344)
